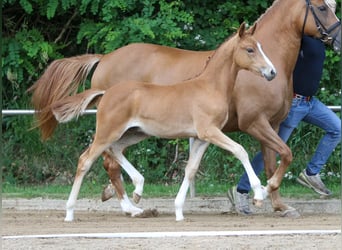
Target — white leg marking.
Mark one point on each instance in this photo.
(180, 199)
(128, 207)
(117, 148)
(218, 138)
(197, 150)
(137, 178)
(84, 163)
(70, 205)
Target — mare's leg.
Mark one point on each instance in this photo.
(192, 184)
(84, 163)
(116, 184)
(198, 148)
(217, 137)
(113, 169)
(130, 138)
(272, 144)
(138, 180)
(270, 169)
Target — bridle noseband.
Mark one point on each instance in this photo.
(326, 36)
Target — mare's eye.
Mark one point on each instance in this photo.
(322, 8)
(250, 50)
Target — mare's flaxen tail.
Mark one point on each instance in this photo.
(61, 79)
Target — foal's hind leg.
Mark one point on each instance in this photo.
(197, 150)
(84, 163)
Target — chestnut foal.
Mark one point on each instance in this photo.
(168, 112)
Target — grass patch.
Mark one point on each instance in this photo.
(93, 190)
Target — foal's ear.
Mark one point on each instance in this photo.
(242, 29)
(253, 28)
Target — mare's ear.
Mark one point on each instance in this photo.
(242, 29)
(253, 28)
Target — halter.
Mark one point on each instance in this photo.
(325, 32)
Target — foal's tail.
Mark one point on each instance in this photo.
(61, 79)
(73, 106)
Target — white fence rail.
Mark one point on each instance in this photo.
(89, 111)
(93, 111)
(31, 112)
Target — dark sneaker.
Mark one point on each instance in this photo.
(314, 182)
(240, 202)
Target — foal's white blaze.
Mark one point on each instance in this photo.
(269, 72)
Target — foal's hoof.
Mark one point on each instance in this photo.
(257, 203)
(107, 193)
(69, 217)
(148, 213)
(136, 197)
(290, 213)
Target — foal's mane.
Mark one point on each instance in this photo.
(269, 11)
(212, 55)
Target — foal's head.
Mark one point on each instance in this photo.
(250, 56)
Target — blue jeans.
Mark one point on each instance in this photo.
(313, 112)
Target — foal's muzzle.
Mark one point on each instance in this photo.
(270, 75)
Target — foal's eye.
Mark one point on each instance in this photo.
(250, 50)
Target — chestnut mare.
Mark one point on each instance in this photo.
(255, 109)
(168, 112)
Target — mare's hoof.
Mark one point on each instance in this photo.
(107, 193)
(257, 203)
(136, 198)
(148, 213)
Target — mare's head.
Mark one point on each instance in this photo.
(320, 19)
(249, 54)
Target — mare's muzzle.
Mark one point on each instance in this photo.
(332, 36)
(336, 40)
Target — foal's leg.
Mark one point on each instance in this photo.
(197, 150)
(217, 137)
(84, 163)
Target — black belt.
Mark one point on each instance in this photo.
(302, 97)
